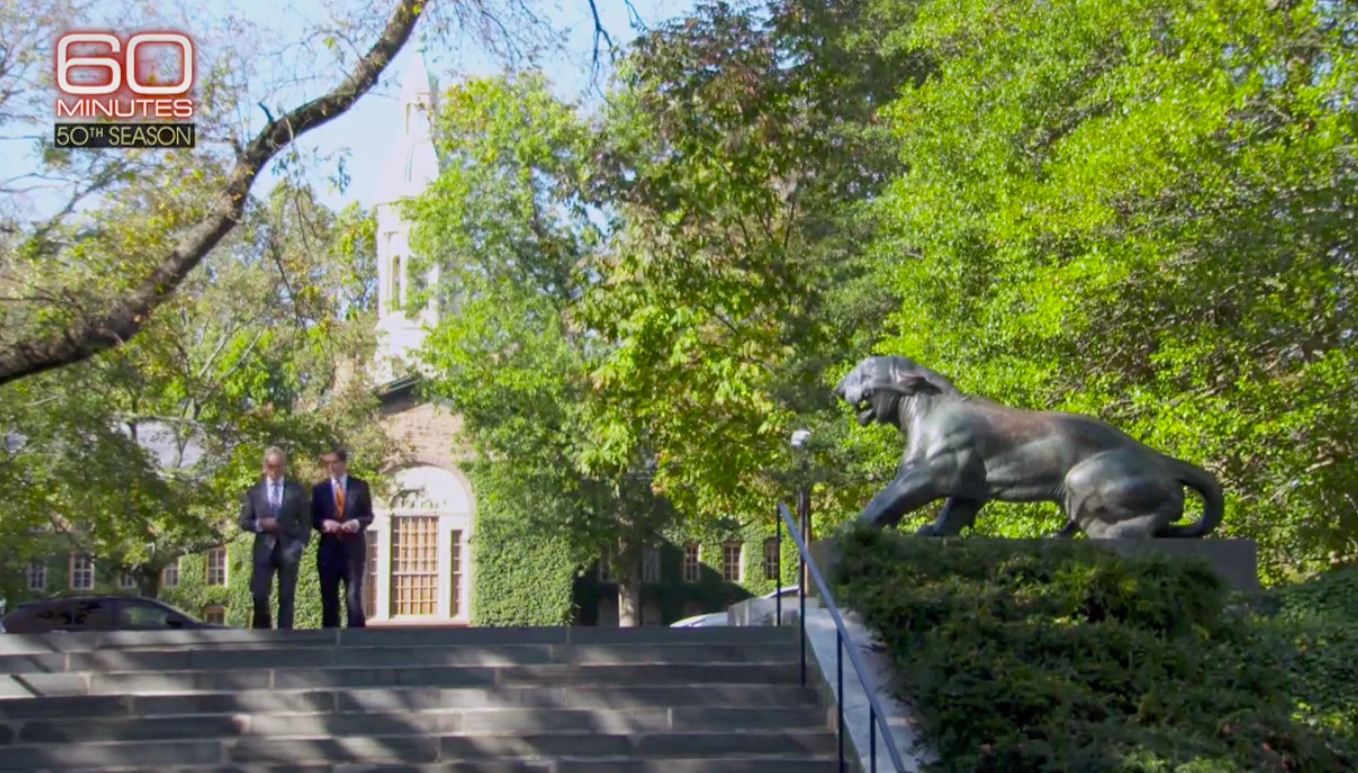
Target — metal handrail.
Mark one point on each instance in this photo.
(876, 716)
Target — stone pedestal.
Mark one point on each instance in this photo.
(1236, 561)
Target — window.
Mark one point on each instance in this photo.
(370, 586)
(397, 282)
(169, 576)
(37, 576)
(81, 571)
(455, 602)
(136, 615)
(215, 563)
(606, 566)
(692, 564)
(414, 565)
(215, 614)
(127, 581)
(92, 615)
(48, 618)
(771, 557)
(650, 565)
(730, 561)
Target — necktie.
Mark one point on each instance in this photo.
(339, 497)
(274, 499)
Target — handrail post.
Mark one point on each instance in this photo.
(839, 677)
(778, 568)
(804, 525)
(801, 613)
(872, 739)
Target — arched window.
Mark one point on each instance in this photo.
(397, 282)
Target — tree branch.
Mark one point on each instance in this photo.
(88, 337)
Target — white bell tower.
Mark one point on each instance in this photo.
(410, 167)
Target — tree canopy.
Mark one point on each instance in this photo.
(1138, 210)
(138, 456)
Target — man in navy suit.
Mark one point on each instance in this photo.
(341, 510)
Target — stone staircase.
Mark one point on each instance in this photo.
(476, 700)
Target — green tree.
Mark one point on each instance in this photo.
(741, 150)
(508, 227)
(1143, 209)
(139, 455)
(66, 301)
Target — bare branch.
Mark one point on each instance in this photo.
(90, 336)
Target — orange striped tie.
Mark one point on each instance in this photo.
(339, 498)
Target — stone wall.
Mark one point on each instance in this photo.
(426, 431)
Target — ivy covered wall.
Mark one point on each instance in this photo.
(193, 594)
(674, 597)
(55, 556)
(519, 575)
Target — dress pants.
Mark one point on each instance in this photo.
(342, 561)
(261, 583)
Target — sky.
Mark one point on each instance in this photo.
(366, 132)
(375, 122)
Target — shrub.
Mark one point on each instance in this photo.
(1314, 632)
(1058, 656)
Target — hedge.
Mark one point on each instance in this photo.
(1313, 627)
(1058, 656)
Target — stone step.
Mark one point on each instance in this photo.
(277, 657)
(592, 746)
(804, 764)
(554, 675)
(476, 722)
(736, 696)
(235, 638)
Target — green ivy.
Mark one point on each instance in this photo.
(193, 594)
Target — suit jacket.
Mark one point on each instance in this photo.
(292, 535)
(358, 506)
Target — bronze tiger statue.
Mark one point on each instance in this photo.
(968, 450)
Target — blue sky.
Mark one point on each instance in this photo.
(366, 132)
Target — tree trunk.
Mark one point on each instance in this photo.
(148, 583)
(628, 571)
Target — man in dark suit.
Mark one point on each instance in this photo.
(275, 511)
(341, 510)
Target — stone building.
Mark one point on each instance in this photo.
(422, 552)
(421, 560)
(419, 546)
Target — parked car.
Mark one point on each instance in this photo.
(71, 614)
(713, 619)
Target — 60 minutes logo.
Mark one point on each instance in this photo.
(113, 85)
